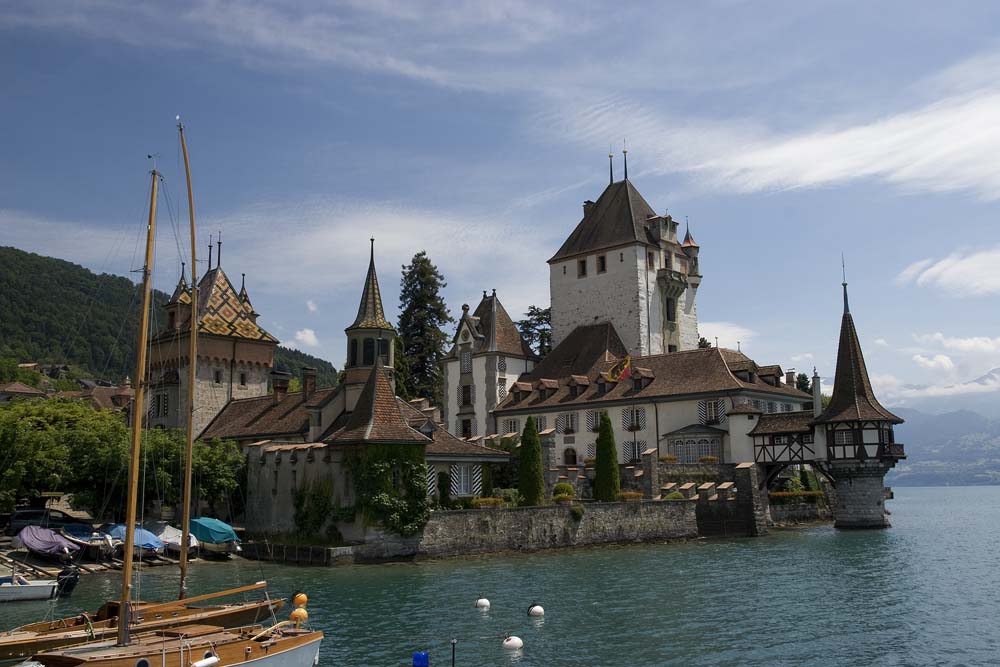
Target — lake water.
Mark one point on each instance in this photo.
(924, 592)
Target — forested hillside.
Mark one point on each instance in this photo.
(53, 311)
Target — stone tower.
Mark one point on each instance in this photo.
(235, 354)
(624, 264)
(369, 337)
(860, 443)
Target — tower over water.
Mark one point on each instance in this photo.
(623, 263)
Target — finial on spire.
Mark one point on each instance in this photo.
(494, 292)
(625, 154)
(218, 260)
(484, 294)
(843, 269)
(738, 348)
(210, 237)
(611, 166)
(243, 282)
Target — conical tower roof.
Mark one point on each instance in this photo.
(853, 398)
(181, 293)
(376, 417)
(370, 312)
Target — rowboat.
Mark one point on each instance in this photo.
(16, 587)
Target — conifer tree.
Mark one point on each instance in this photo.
(803, 383)
(607, 482)
(530, 479)
(401, 369)
(536, 329)
(422, 313)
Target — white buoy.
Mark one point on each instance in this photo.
(482, 603)
(536, 610)
(511, 642)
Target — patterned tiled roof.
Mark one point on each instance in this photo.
(853, 397)
(370, 313)
(222, 312)
(377, 417)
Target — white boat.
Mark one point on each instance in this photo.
(18, 588)
(171, 537)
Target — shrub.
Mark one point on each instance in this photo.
(576, 511)
(630, 496)
(607, 483)
(590, 460)
(444, 489)
(487, 480)
(508, 496)
(783, 497)
(668, 458)
(792, 484)
(562, 497)
(530, 478)
(563, 489)
(708, 459)
(482, 503)
(674, 495)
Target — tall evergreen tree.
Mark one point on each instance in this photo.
(530, 479)
(422, 314)
(803, 383)
(703, 343)
(536, 329)
(401, 368)
(607, 482)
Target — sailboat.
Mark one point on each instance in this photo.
(26, 640)
(285, 644)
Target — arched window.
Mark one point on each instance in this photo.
(369, 352)
(569, 456)
(383, 350)
(354, 352)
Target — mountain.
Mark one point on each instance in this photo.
(980, 395)
(55, 311)
(954, 448)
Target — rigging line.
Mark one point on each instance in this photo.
(173, 222)
(114, 346)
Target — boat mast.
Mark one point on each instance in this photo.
(192, 372)
(138, 407)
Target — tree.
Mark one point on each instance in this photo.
(536, 329)
(217, 472)
(802, 383)
(401, 367)
(703, 343)
(607, 482)
(422, 314)
(530, 479)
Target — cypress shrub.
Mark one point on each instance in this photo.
(530, 478)
(444, 489)
(607, 482)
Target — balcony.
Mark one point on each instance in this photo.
(894, 451)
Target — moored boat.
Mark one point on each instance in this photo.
(93, 545)
(47, 544)
(217, 538)
(146, 544)
(172, 537)
(16, 587)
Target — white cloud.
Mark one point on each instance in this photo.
(728, 333)
(964, 273)
(805, 356)
(973, 344)
(311, 305)
(941, 362)
(882, 342)
(895, 391)
(306, 337)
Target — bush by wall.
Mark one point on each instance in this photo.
(563, 489)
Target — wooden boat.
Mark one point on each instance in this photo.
(16, 587)
(94, 545)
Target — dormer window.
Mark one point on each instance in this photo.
(602, 387)
(171, 320)
(637, 384)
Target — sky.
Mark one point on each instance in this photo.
(787, 133)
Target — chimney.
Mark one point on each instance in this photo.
(790, 377)
(817, 395)
(308, 382)
(279, 385)
(588, 206)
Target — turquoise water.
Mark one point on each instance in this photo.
(921, 593)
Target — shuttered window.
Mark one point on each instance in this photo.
(466, 362)
(633, 419)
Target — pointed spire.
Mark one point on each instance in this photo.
(853, 397)
(209, 252)
(689, 241)
(218, 260)
(611, 166)
(625, 154)
(843, 269)
(370, 312)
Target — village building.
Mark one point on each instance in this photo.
(235, 353)
(18, 390)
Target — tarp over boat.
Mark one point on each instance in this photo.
(212, 530)
(46, 541)
(143, 538)
(169, 535)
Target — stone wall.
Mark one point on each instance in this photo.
(860, 494)
(484, 531)
(789, 513)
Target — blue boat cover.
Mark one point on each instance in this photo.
(143, 538)
(46, 541)
(212, 530)
(78, 530)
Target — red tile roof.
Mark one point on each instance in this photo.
(377, 417)
(20, 389)
(784, 422)
(261, 417)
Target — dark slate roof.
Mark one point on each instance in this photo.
(617, 218)
(370, 313)
(853, 398)
(221, 311)
(784, 422)
(587, 349)
(499, 332)
(699, 371)
(377, 417)
(262, 418)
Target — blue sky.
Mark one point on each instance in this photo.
(787, 132)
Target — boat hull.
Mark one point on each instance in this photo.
(35, 590)
(21, 643)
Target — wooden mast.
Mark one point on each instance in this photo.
(192, 376)
(138, 407)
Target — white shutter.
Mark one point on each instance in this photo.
(592, 421)
(454, 475)
(560, 424)
(703, 412)
(477, 480)
(432, 480)
(720, 411)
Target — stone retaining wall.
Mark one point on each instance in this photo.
(787, 513)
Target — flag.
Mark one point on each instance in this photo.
(622, 370)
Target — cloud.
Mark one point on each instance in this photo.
(728, 333)
(805, 356)
(882, 342)
(311, 305)
(306, 337)
(894, 391)
(941, 362)
(963, 273)
(973, 344)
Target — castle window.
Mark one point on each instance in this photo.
(843, 437)
(569, 456)
(807, 439)
(602, 263)
(502, 364)
(564, 269)
(354, 352)
(671, 348)
(466, 428)
(154, 409)
(170, 320)
(581, 268)
(671, 309)
(466, 397)
(466, 362)
(650, 261)
(511, 426)
(566, 423)
(668, 260)
(711, 412)
(217, 376)
(368, 352)
(243, 379)
(621, 257)
(383, 350)
(541, 423)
